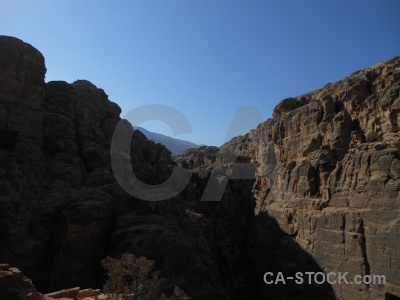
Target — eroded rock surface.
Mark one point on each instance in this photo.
(324, 197)
(15, 286)
(328, 172)
(61, 207)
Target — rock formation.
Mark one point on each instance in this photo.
(61, 207)
(14, 285)
(176, 146)
(324, 197)
(328, 172)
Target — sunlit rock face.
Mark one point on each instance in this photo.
(328, 171)
(324, 197)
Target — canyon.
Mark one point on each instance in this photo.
(324, 197)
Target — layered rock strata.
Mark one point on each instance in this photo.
(61, 208)
(328, 172)
(324, 197)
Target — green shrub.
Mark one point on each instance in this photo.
(133, 278)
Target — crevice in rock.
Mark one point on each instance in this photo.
(343, 228)
(365, 267)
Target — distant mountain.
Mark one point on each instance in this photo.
(176, 146)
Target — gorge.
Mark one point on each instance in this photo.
(324, 197)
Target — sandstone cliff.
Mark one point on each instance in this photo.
(328, 171)
(61, 209)
(324, 197)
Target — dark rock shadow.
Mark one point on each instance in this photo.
(248, 245)
(273, 250)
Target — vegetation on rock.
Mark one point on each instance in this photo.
(133, 278)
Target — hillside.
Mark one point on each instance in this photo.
(176, 146)
(321, 194)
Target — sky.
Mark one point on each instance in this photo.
(205, 58)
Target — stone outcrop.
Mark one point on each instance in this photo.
(66, 293)
(176, 146)
(61, 207)
(328, 172)
(86, 293)
(334, 186)
(15, 286)
(324, 197)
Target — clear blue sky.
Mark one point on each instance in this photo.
(203, 57)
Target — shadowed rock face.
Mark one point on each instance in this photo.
(14, 285)
(22, 72)
(328, 173)
(62, 210)
(59, 200)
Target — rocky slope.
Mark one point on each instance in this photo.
(324, 198)
(61, 209)
(14, 285)
(176, 146)
(328, 172)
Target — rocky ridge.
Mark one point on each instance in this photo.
(176, 146)
(328, 172)
(324, 196)
(61, 207)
